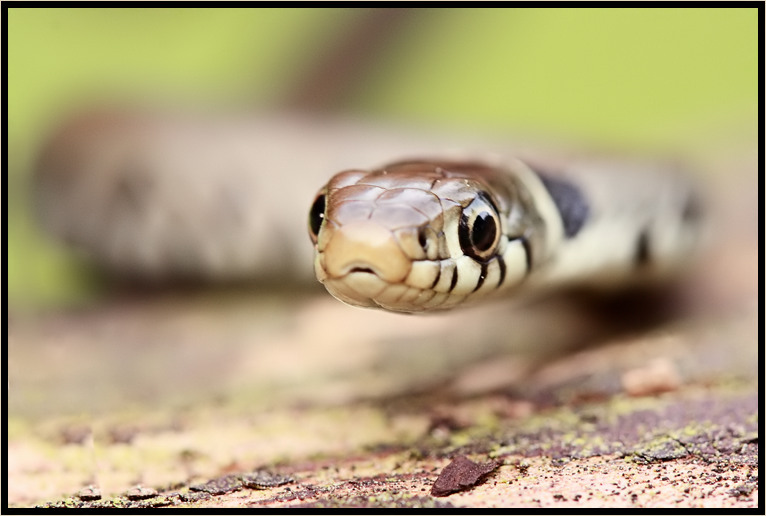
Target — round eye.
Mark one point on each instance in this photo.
(316, 216)
(479, 229)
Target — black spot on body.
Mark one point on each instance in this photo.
(643, 252)
(134, 186)
(692, 212)
(570, 201)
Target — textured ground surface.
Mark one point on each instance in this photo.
(293, 399)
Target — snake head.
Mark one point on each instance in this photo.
(418, 235)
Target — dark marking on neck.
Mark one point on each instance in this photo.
(501, 263)
(527, 252)
(642, 255)
(454, 279)
(436, 280)
(482, 277)
(570, 201)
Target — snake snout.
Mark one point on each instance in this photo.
(367, 248)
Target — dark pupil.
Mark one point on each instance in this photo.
(316, 215)
(483, 232)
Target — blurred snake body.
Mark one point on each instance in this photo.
(425, 235)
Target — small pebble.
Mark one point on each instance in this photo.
(90, 493)
(658, 376)
(140, 492)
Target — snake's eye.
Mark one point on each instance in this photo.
(316, 216)
(479, 229)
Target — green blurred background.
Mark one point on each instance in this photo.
(646, 78)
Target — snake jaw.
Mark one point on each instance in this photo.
(357, 288)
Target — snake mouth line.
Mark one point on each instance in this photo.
(365, 270)
(364, 288)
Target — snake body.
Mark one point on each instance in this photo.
(427, 235)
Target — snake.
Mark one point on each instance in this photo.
(163, 197)
(428, 234)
